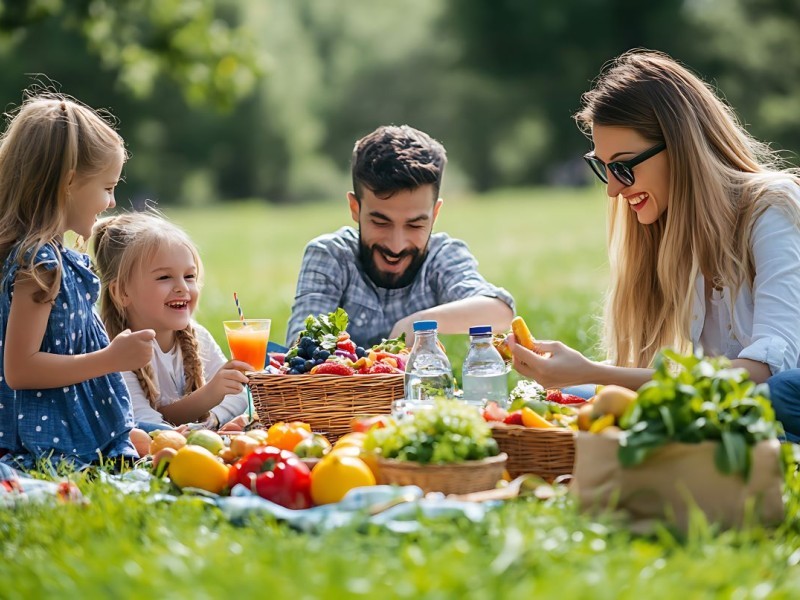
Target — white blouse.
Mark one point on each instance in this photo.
(169, 377)
(763, 322)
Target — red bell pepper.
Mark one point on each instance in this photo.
(276, 475)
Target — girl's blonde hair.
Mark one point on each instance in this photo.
(122, 245)
(721, 179)
(48, 140)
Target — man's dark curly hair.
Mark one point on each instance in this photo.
(392, 159)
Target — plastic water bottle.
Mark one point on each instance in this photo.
(429, 375)
(484, 373)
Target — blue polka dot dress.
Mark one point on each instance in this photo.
(78, 422)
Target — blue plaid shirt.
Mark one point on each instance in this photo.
(331, 276)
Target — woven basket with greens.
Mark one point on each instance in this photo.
(692, 399)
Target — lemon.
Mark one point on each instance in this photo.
(194, 466)
(167, 438)
(337, 474)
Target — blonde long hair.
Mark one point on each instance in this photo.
(721, 180)
(123, 244)
(48, 140)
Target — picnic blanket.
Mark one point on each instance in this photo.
(398, 509)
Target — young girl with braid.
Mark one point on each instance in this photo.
(151, 274)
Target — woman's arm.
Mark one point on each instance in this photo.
(26, 367)
(561, 366)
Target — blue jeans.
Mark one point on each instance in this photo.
(784, 391)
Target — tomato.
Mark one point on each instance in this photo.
(275, 475)
(287, 435)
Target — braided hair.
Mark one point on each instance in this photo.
(122, 244)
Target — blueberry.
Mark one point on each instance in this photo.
(319, 361)
(360, 351)
(324, 354)
(306, 341)
(297, 361)
(309, 365)
(302, 353)
(315, 353)
(293, 372)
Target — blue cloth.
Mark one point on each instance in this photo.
(274, 347)
(150, 427)
(77, 422)
(784, 392)
(585, 391)
(331, 276)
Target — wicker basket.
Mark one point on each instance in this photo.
(326, 402)
(456, 478)
(547, 453)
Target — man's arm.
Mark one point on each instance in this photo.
(320, 287)
(459, 316)
(464, 296)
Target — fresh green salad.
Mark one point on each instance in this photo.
(450, 432)
(692, 399)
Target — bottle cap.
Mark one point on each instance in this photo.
(425, 325)
(480, 330)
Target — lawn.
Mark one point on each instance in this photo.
(547, 247)
(544, 246)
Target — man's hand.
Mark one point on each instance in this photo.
(404, 325)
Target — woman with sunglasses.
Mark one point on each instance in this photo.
(703, 236)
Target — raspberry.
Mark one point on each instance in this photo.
(333, 368)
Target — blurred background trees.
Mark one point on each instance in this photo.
(223, 99)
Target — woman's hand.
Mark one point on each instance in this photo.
(556, 366)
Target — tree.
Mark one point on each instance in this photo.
(187, 41)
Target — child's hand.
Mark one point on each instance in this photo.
(235, 425)
(238, 365)
(132, 350)
(229, 379)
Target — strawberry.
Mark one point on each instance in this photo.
(514, 418)
(561, 398)
(382, 367)
(554, 396)
(346, 345)
(493, 412)
(333, 368)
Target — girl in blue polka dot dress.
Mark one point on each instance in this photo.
(61, 392)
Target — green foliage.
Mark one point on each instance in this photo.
(450, 432)
(692, 399)
(188, 41)
(324, 329)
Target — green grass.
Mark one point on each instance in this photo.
(547, 248)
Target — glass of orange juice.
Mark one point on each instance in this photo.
(248, 340)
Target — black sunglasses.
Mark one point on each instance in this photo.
(622, 170)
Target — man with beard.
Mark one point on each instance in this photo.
(393, 270)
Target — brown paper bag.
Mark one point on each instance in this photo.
(675, 478)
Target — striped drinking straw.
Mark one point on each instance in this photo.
(246, 387)
(239, 308)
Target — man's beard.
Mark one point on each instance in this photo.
(391, 280)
